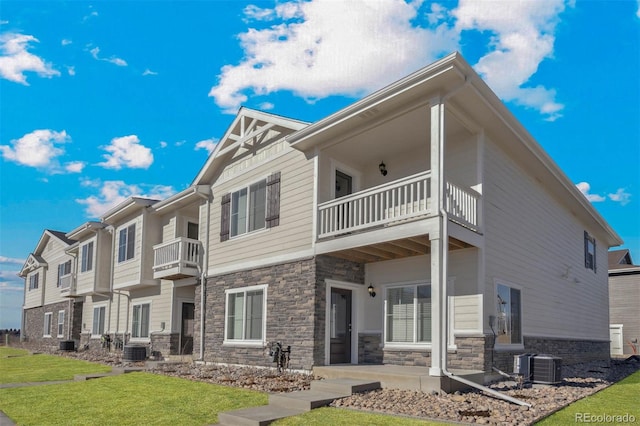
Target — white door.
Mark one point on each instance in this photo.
(615, 334)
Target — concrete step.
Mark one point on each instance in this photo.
(344, 386)
(256, 416)
(305, 400)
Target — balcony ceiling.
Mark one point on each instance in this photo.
(397, 249)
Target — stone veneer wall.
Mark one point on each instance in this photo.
(407, 357)
(369, 348)
(33, 327)
(296, 303)
(165, 344)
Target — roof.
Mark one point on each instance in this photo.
(620, 262)
(183, 198)
(62, 236)
(249, 126)
(453, 79)
(125, 208)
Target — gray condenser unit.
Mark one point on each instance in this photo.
(546, 369)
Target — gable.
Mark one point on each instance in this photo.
(250, 133)
(32, 263)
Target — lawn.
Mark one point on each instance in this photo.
(623, 398)
(338, 416)
(18, 366)
(127, 399)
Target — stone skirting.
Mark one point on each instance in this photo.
(370, 348)
(296, 303)
(165, 344)
(33, 327)
(420, 358)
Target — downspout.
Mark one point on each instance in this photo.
(444, 332)
(203, 276)
(75, 284)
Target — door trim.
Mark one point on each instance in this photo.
(356, 298)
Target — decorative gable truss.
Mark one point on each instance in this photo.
(32, 263)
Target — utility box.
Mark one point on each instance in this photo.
(546, 369)
(522, 365)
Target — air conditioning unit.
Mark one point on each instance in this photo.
(546, 369)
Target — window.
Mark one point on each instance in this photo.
(589, 252)
(33, 281)
(86, 257)
(140, 321)
(509, 318)
(60, 323)
(249, 209)
(47, 324)
(408, 314)
(246, 311)
(126, 243)
(64, 269)
(98, 320)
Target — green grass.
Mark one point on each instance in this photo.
(128, 399)
(617, 400)
(336, 416)
(19, 367)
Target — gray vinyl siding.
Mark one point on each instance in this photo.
(531, 241)
(33, 298)
(54, 255)
(624, 306)
(296, 214)
(103, 261)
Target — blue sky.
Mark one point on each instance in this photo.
(103, 100)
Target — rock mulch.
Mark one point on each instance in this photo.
(478, 407)
(473, 406)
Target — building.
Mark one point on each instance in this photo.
(624, 303)
(421, 225)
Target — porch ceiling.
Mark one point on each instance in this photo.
(396, 249)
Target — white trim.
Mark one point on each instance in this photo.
(248, 186)
(246, 342)
(58, 324)
(356, 300)
(44, 324)
(93, 315)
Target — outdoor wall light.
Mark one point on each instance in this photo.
(372, 293)
(383, 168)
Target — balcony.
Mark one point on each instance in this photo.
(67, 285)
(177, 259)
(393, 203)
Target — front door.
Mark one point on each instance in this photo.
(186, 334)
(615, 333)
(344, 186)
(340, 326)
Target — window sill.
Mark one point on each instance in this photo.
(244, 343)
(140, 340)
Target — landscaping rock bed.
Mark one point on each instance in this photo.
(478, 407)
(473, 406)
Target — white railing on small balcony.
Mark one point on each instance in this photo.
(462, 205)
(65, 283)
(398, 200)
(181, 252)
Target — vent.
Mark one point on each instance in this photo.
(546, 369)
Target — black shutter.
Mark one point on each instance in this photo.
(225, 216)
(586, 250)
(273, 200)
(595, 249)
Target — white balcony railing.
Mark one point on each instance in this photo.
(398, 200)
(393, 202)
(179, 253)
(66, 284)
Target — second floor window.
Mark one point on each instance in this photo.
(248, 208)
(87, 257)
(64, 269)
(33, 281)
(127, 243)
(589, 252)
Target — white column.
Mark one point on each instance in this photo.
(438, 241)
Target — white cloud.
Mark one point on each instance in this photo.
(621, 196)
(66, 42)
(113, 59)
(584, 187)
(37, 149)
(5, 259)
(163, 144)
(266, 106)
(207, 144)
(126, 151)
(16, 60)
(149, 72)
(71, 70)
(638, 10)
(523, 36)
(75, 166)
(350, 48)
(345, 48)
(111, 193)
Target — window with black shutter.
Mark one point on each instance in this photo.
(589, 251)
